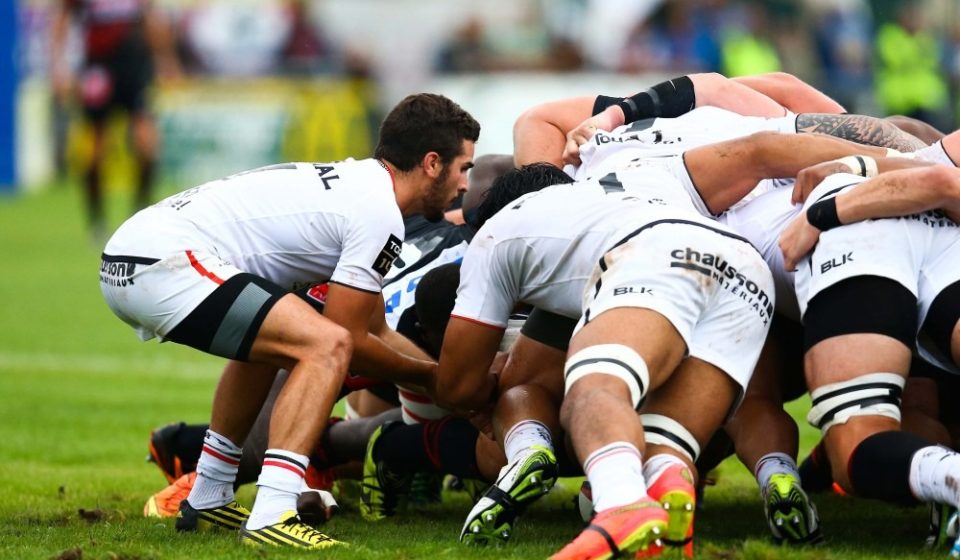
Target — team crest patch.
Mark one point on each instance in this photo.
(387, 255)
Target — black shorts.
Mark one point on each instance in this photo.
(126, 74)
(227, 322)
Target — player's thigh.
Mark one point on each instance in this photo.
(292, 331)
(698, 395)
(534, 363)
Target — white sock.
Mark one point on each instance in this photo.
(654, 466)
(523, 435)
(216, 472)
(615, 472)
(278, 487)
(930, 470)
(774, 463)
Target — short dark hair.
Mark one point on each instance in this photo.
(435, 296)
(423, 123)
(517, 182)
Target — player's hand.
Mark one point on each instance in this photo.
(797, 240)
(606, 120)
(809, 178)
(576, 138)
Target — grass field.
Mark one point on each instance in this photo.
(79, 394)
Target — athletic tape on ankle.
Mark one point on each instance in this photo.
(663, 430)
(617, 360)
(873, 394)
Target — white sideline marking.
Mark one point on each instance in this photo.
(105, 363)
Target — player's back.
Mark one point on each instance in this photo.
(288, 223)
(660, 137)
(542, 248)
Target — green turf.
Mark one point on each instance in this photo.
(79, 394)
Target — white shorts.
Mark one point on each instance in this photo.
(761, 221)
(710, 283)
(919, 252)
(155, 298)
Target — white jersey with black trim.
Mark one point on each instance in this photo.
(661, 137)
(542, 247)
(293, 223)
(935, 153)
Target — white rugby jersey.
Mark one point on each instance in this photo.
(934, 153)
(542, 247)
(292, 223)
(660, 137)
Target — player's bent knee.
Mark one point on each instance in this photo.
(331, 342)
(665, 431)
(873, 394)
(617, 360)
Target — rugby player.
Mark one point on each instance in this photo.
(857, 353)
(213, 268)
(772, 456)
(419, 315)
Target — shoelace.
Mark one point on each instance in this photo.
(305, 532)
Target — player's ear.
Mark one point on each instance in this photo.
(432, 164)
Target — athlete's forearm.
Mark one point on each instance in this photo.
(402, 344)
(373, 357)
(540, 133)
(902, 193)
(861, 129)
(160, 36)
(785, 155)
(791, 92)
(716, 90)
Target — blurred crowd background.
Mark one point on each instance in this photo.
(269, 80)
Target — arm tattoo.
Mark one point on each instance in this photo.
(859, 128)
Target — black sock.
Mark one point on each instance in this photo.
(447, 445)
(816, 474)
(880, 466)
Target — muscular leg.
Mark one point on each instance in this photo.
(763, 402)
(694, 381)
(597, 410)
(846, 357)
(316, 352)
(525, 425)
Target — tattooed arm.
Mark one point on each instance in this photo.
(859, 128)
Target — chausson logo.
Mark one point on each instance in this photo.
(119, 274)
(730, 279)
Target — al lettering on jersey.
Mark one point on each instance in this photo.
(389, 253)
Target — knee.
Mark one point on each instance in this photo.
(616, 368)
(332, 343)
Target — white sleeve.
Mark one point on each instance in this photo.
(935, 153)
(487, 292)
(372, 241)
